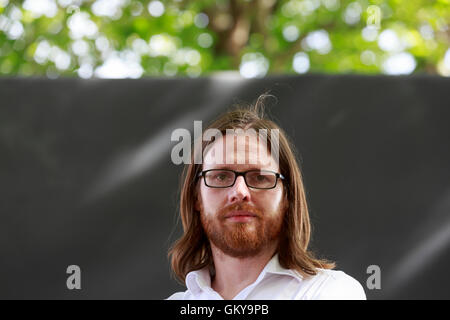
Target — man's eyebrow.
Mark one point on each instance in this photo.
(225, 167)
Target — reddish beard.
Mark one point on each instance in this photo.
(242, 239)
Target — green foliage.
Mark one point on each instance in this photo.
(132, 38)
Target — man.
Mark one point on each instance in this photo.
(245, 220)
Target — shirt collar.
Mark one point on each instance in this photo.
(274, 267)
(200, 280)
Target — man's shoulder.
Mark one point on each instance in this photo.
(336, 285)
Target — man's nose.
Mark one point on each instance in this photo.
(240, 191)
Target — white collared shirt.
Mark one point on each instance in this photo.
(277, 283)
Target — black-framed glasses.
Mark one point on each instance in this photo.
(225, 178)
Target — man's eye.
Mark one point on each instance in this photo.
(261, 178)
(221, 177)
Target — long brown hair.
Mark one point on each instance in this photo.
(192, 251)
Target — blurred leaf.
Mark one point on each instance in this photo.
(277, 29)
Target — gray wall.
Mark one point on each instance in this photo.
(86, 178)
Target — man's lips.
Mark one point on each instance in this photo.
(240, 213)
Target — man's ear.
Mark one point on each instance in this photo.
(197, 203)
(285, 201)
(197, 200)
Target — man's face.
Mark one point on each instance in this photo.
(240, 236)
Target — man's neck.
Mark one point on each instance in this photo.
(232, 275)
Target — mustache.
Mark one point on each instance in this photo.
(239, 207)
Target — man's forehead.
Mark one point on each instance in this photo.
(239, 151)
